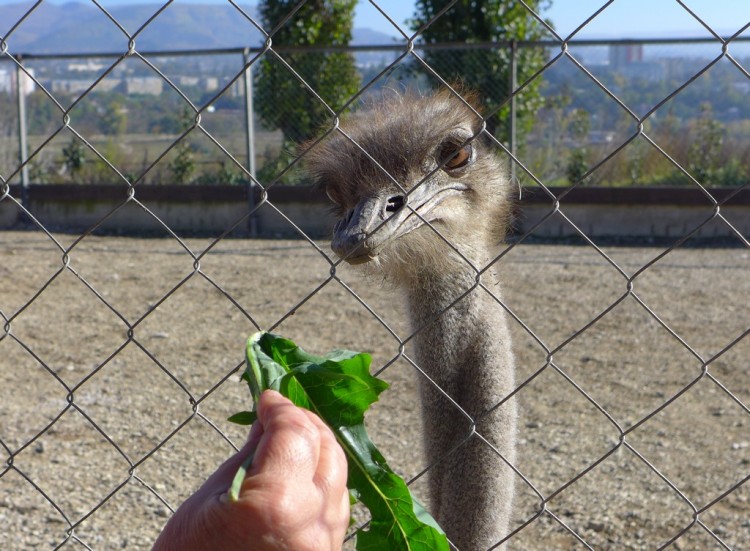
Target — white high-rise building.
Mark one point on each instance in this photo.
(6, 84)
(8, 81)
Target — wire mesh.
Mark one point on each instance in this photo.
(121, 356)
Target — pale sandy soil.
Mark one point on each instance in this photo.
(119, 367)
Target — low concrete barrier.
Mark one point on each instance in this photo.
(598, 212)
(192, 209)
(635, 212)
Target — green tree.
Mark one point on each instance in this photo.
(486, 70)
(704, 155)
(98, 171)
(74, 156)
(114, 119)
(225, 175)
(281, 100)
(577, 165)
(182, 166)
(579, 124)
(43, 115)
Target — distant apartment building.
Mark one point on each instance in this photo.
(87, 66)
(152, 86)
(628, 60)
(8, 81)
(130, 85)
(621, 55)
(237, 88)
(5, 83)
(144, 85)
(207, 84)
(79, 85)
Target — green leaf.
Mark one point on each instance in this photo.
(338, 387)
(243, 418)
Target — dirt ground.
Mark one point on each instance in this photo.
(119, 366)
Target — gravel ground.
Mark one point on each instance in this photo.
(108, 401)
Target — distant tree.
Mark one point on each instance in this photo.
(225, 175)
(182, 166)
(8, 129)
(486, 70)
(74, 156)
(114, 119)
(281, 100)
(167, 122)
(577, 165)
(43, 115)
(705, 150)
(579, 124)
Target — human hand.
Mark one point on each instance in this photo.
(294, 496)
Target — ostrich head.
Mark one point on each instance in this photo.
(413, 183)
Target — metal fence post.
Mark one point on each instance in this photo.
(513, 83)
(250, 140)
(23, 146)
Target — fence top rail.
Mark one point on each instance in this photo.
(397, 46)
(531, 195)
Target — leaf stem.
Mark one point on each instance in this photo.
(239, 477)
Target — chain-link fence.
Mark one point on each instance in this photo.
(131, 116)
(120, 356)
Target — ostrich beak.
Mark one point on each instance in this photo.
(376, 221)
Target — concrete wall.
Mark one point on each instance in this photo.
(598, 212)
(193, 209)
(636, 212)
(634, 221)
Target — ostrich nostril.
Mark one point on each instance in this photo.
(395, 203)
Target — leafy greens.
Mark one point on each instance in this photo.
(338, 387)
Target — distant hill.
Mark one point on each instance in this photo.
(83, 28)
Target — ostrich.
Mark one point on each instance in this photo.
(424, 201)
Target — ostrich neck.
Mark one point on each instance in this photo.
(462, 344)
(462, 338)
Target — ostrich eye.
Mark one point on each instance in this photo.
(452, 155)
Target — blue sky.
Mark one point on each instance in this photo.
(621, 19)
